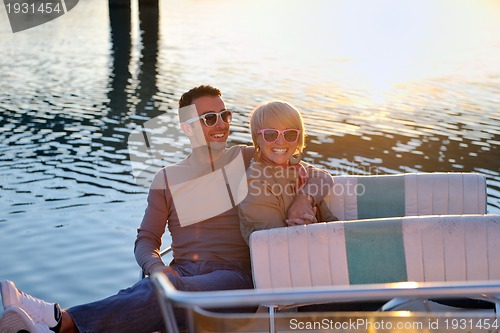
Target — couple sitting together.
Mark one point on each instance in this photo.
(208, 218)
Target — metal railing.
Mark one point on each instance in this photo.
(163, 252)
(170, 297)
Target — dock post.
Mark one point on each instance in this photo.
(119, 3)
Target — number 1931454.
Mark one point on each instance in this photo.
(34, 8)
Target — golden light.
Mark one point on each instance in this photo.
(392, 42)
(374, 47)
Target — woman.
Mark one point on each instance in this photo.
(277, 175)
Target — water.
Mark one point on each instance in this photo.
(399, 87)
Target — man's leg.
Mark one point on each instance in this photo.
(134, 310)
(211, 275)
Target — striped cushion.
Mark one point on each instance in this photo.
(421, 249)
(413, 194)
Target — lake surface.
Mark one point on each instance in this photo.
(401, 86)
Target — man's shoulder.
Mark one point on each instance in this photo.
(245, 151)
(161, 175)
(239, 149)
(180, 163)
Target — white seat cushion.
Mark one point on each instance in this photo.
(412, 194)
(421, 249)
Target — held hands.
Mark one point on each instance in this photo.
(301, 211)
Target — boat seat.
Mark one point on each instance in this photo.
(429, 257)
(420, 249)
(410, 194)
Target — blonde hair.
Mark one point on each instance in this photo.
(277, 111)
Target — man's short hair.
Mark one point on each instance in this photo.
(204, 90)
(188, 99)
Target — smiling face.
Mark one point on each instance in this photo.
(280, 116)
(280, 151)
(200, 134)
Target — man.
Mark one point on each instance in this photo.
(208, 249)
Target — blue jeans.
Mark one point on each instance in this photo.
(136, 309)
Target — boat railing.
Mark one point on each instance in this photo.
(164, 252)
(273, 298)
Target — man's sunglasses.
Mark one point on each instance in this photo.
(210, 118)
(270, 135)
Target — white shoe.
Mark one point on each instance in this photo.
(16, 320)
(39, 311)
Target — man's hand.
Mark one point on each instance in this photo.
(301, 210)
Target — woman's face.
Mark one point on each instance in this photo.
(280, 150)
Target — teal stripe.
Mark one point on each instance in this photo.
(381, 197)
(375, 252)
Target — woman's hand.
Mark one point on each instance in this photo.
(301, 211)
(305, 219)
